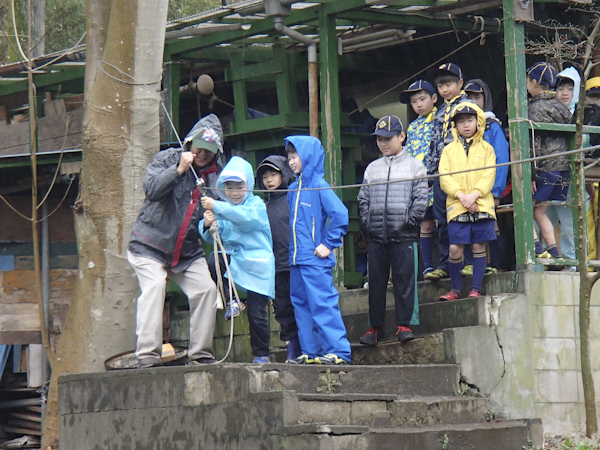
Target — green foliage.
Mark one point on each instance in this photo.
(571, 445)
(65, 23)
(444, 441)
(490, 415)
(184, 8)
(328, 382)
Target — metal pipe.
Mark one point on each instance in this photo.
(46, 370)
(377, 44)
(370, 37)
(313, 85)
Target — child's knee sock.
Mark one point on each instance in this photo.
(479, 263)
(456, 266)
(538, 247)
(426, 245)
(495, 252)
(553, 250)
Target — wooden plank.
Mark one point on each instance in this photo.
(19, 317)
(56, 262)
(18, 286)
(24, 424)
(27, 416)
(21, 430)
(20, 337)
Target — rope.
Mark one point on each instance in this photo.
(131, 83)
(62, 152)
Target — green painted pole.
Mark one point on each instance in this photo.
(172, 81)
(330, 114)
(514, 47)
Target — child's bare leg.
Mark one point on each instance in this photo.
(426, 240)
(546, 228)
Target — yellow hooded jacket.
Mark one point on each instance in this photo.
(454, 158)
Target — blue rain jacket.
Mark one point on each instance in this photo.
(309, 210)
(245, 232)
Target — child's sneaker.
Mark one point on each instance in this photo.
(467, 271)
(475, 293)
(489, 270)
(233, 309)
(302, 359)
(405, 334)
(262, 360)
(330, 358)
(372, 336)
(437, 274)
(452, 295)
(544, 255)
(426, 271)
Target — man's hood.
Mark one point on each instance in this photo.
(240, 168)
(281, 163)
(478, 136)
(210, 122)
(571, 72)
(311, 154)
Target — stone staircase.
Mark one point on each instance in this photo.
(393, 396)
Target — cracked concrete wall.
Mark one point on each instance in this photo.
(527, 357)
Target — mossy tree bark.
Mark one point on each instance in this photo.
(121, 135)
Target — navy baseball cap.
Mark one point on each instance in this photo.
(446, 69)
(471, 86)
(419, 85)
(388, 126)
(543, 73)
(464, 108)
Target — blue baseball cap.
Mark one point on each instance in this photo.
(419, 85)
(446, 69)
(472, 86)
(543, 73)
(388, 126)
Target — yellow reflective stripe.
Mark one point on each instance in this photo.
(296, 217)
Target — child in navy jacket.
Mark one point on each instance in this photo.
(320, 327)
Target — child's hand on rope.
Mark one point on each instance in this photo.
(322, 252)
(208, 203)
(209, 218)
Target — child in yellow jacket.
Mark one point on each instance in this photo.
(470, 203)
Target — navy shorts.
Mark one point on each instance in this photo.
(551, 186)
(471, 232)
(429, 214)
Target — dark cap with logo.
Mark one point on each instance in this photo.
(388, 126)
(463, 108)
(446, 69)
(419, 85)
(472, 86)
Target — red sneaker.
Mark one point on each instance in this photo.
(452, 295)
(475, 293)
(405, 334)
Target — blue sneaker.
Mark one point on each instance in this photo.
(233, 310)
(428, 270)
(293, 349)
(262, 360)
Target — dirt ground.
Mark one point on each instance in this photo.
(559, 442)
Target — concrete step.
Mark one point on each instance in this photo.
(434, 317)
(417, 379)
(506, 435)
(385, 410)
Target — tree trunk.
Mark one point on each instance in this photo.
(121, 135)
(38, 27)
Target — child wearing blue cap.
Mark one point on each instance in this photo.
(246, 235)
(550, 176)
(470, 204)
(391, 213)
(422, 98)
(449, 83)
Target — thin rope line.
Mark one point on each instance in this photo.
(132, 83)
(426, 177)
(62, 152)
(65, 53)
(61, 202)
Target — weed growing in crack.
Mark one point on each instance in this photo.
(328, 382)
(490, 416)
(444, 441)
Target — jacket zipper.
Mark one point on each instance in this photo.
(313, 230)
(295, 218)
(387, 185)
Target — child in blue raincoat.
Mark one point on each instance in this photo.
(321, 330)
(244, 228)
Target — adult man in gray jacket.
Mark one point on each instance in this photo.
(391, 213)
(165, 241)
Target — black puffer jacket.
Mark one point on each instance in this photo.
(392, 212)
(278, 209)
(546, 108)
(168, 194)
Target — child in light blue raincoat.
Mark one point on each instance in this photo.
(313, 237)
(244, 228)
